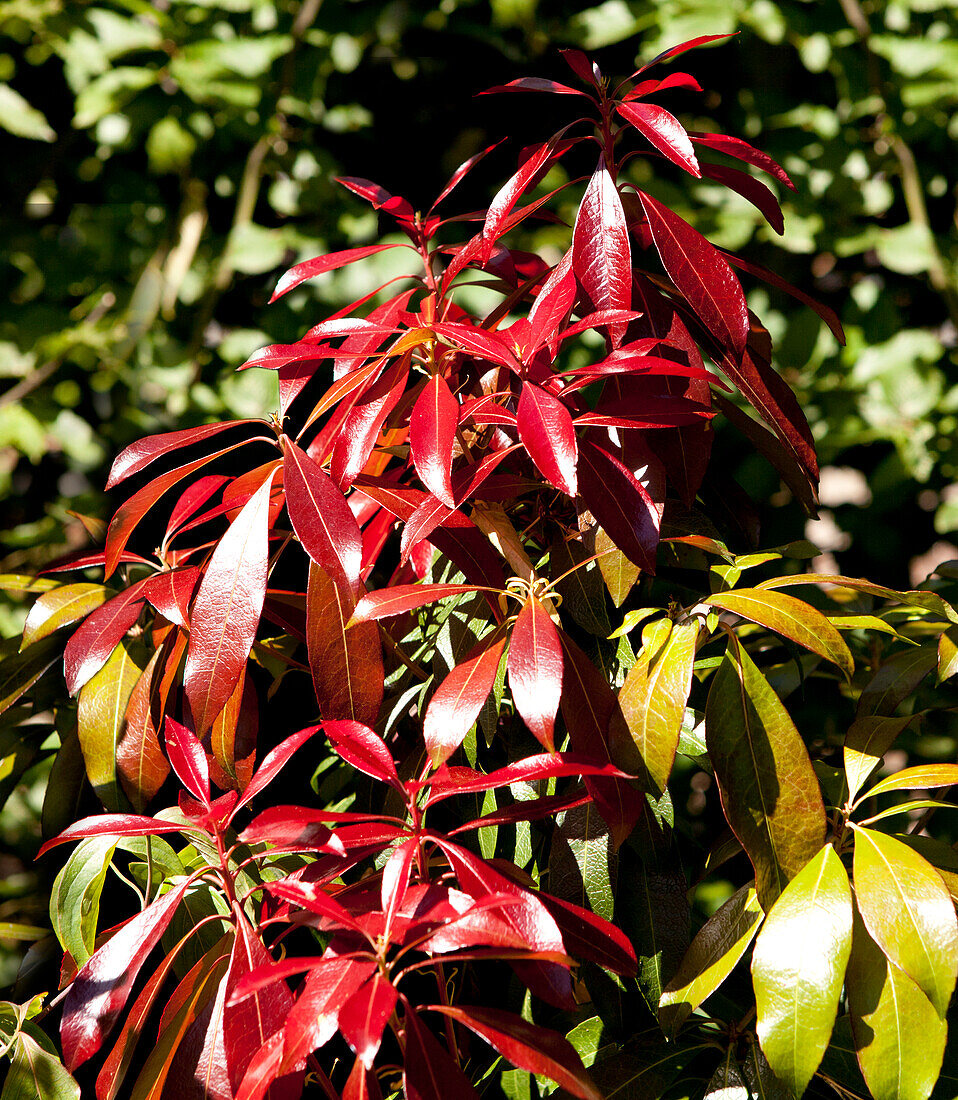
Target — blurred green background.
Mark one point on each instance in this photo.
(164, 160)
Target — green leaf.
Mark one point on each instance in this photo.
(101, 715)
(899, 1037)
(37, 1074)
(75, 899)
(652, 909)
(20, 671)
(720, 943)
(925, 777)
(111, 92)
(908, 911)
(769, 792)
(581, 860)
(866, 742)
(62, 607)
(791, 618)
(947, 654)
(645, 728)
(896, 680)
(798, 967)
(19, 117)
(581, 589)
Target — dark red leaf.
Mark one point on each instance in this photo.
(364, 749)
(583, 68)
(429, 1071)
(526, 1046)
(295, 828)
(664, 131)
(589, 937)
(534, 667)
(456, 703)
(601, 256)
(227, 610)
(395, 880)
(362, 1084)
(551, 308)
(620, 504)
(482, 342)
(749, 188)
(309, 269)
(461, 172)
(534, 84)
(548, 435)
(99, 634)
(432, 513)
(361, 427)
(137, 456)
(552, 765)
(321, 517)
(741, 150)
(309, 896)
(273, 762)
(701, 273)
(432, 433)
(682, 47)
(101, 988)
(364, 1016)
(172, 592)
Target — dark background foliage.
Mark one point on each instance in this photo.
(163, 162)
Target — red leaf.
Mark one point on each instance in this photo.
(321, 518)
(294, 828)
(620, 504)
(361, 427)
(309, 269)
(100, 633)
(189, 760)
(407, 597)
(537, 157)
(101, 988)
(309, 896)
(481, 342)
(137, 456)
(589, 937)
(432, 513)
(380, 198)
(131, 511)
(601, 256)
(526, 1046)
(551, 307)
(362, 1084)
(456, 703)
(364, 1016)
(552, 765)
(548, 435)
(664, 131)
(534, 84)
(273, 762)
(752, 189)
(701, 273)
(429, 1071)
(741, 150)
(364, 749)
(314, 1018)
(345, 661)
(527, 811)
(227, 610)
(682, 47)
(140, 764)
(171, 593)
(587, 706)
(583, 68)
(456, 178)
(112, 825)
(432, 433)
(395, 880)
(534, 667)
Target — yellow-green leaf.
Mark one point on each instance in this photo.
(928, 601)
(908, 911)
(925, 777)
(61, 607)
(75, 898)
(798, 967)
(766, 781)
(947, 654)
(645, 729)
(711, 957)
(618, 572)
(791, 618)
(866, 742)
(101, 708)
(899, 1037)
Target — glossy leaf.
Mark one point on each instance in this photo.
(601, 255)
(701, 273)
(60, 607)
(309, 269)
(364, 1016)
(100, 990)
(101, 710)
(429, 1071)
(321, 518)
(345, 661)
(741, 150)
(188, 759)
(798, 968)
(75, 898)
(455, 705)
(137, 456)
(791, 618)
(713, 954)
(548, 435)
(527, 1046)
(922, 777)
(89, 648)
(432, 433)
(364, 749)
(620, 503)
(534, 668)
(899, 1037)
(227, 610)
(645, 730)
(35, 1072)
(664, 131)
(908, 911)
(400, 598)
(753, 744)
